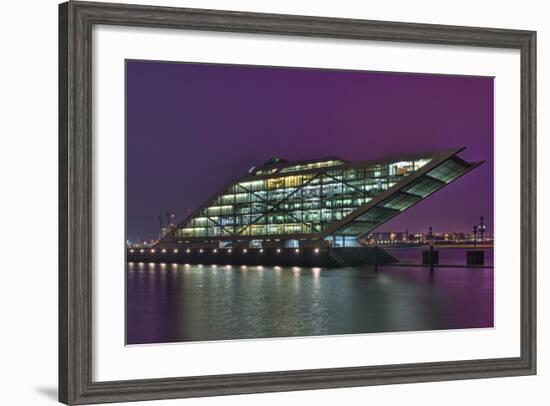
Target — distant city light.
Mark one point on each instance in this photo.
(163, 250)
(200, 250)
(316, 250)
(244, 250)
(215, 250)
(188, 250)
(261, 250)
(152, 251)
(131, 250)
(297, 250)
(278, 250)
(175, 251)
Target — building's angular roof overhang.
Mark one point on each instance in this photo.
(401, 196)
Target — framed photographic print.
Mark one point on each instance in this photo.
(257, 202)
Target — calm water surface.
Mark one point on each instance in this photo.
(170, 302)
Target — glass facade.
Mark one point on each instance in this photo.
(405, 197)
(299, 167)
(303, 198)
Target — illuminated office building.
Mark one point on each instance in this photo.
(325, 202)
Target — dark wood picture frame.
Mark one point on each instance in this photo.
(76, 20)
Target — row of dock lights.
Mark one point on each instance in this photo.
(215, 266)
(261, 250)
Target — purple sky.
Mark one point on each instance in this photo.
(193, 127)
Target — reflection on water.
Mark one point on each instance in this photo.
(170, 302)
